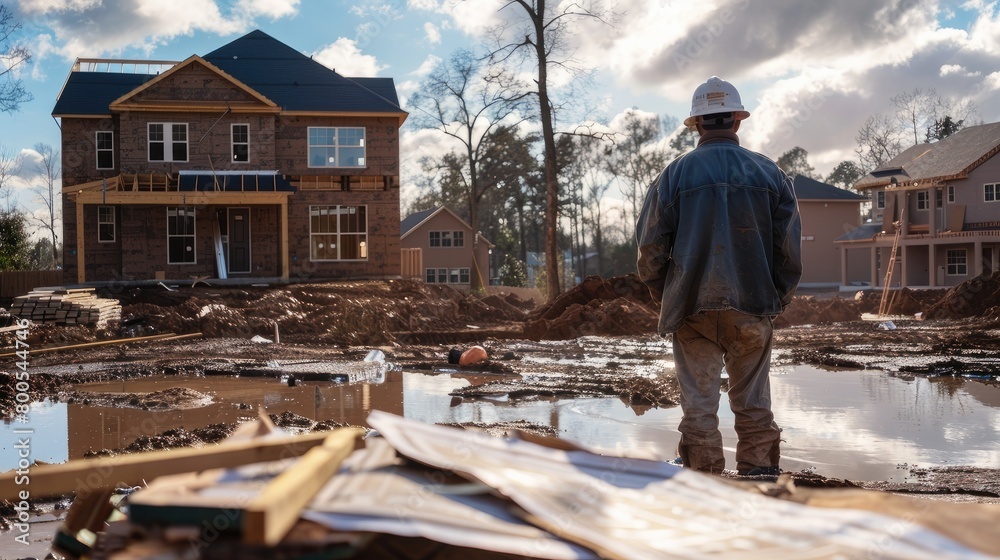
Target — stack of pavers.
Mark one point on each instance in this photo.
(77, 306)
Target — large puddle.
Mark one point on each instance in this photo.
(859, 425)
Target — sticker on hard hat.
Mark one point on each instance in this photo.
(716, 96)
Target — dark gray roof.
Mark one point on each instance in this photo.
(951, 157)
(861, 233)
(292, 80)
(811, 189)
(90, 93)
(413, 219)
(296, 82)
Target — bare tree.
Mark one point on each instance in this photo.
(635, 160)
(878, 142)
(542, 35)
(12, 57)
(10, 166)
(47, 168)
(920, 110)
(462, 101)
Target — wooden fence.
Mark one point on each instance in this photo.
(19, 282)
(413, 263)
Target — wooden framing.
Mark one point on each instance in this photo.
(86, 475)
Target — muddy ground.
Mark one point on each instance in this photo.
(931, 332)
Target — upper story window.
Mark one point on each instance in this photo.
(446, 238)
(105, 143)
(938, 198)
(951, 194)
(880, 199)
(241, 143)
(923, 200)
(336, 147)
(168, 142)
(991, 192)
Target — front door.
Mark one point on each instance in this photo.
(239, 240)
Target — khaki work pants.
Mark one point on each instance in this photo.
(741, 342)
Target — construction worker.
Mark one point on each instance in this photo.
(719, 248)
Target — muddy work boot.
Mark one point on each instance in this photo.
(763, 472)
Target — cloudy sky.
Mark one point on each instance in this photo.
(810, 71)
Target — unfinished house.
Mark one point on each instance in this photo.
(935, 217)
(252, 161)
(827, 212)
(445, 249)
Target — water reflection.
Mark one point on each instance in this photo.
(859, 425)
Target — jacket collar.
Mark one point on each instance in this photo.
(719, 136)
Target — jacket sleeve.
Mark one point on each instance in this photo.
(787, 242)
(654, 239)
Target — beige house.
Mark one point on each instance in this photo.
(943, 200)
(827, 212)
(449, 251)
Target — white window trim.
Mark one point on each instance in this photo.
(114, 226)
(193, 236)
(923, 201)
(996, 192)
(363, 244)
(880, 204)
(951, 194)
(964, 264)
(233, 143)
(98, 149)
(336, 146)
(168, 142)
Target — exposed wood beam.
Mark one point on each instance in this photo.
(81, 273)
(181, 198)
(284, 240)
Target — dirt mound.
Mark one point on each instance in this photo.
(175, 398)
(620, 305)
(810, 310)
(978, 297)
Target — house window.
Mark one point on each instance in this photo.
(180, 235)
(991, 192)
(168, 142)
(923, 202)
(951, 193)
(446, 238)
(938, 198)
(106, 224)
(956, 259)
(241, 142)
(105, 149)
(880, 199)
(338, 233)
(336, 147)
(447, 276)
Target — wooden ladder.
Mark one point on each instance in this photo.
(883, 307)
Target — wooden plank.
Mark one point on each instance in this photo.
(97, 343)
(270, 515)
(131, 470)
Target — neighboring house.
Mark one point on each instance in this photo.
(252, 160)
(826, 213)
(451, 253)
(944, 200)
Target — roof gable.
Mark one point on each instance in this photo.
(951, 158)
(417, 219)
(296, 82)
(193, 83)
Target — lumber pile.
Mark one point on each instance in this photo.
(75, 306)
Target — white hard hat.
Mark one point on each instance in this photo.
(716, 96)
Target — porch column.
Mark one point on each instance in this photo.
(977, 257)
(843, 265)
(81, 273)
(284, 239)
(874, 266)
(932, 264)
(932, 211)
(902, 266)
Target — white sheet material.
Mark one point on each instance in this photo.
(636, 509)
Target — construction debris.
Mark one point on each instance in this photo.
(464, 493)
(76, 306)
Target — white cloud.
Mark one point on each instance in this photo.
(428, 65)
(95, 28)
(432, 33)
(957, 70)
(344, 57)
